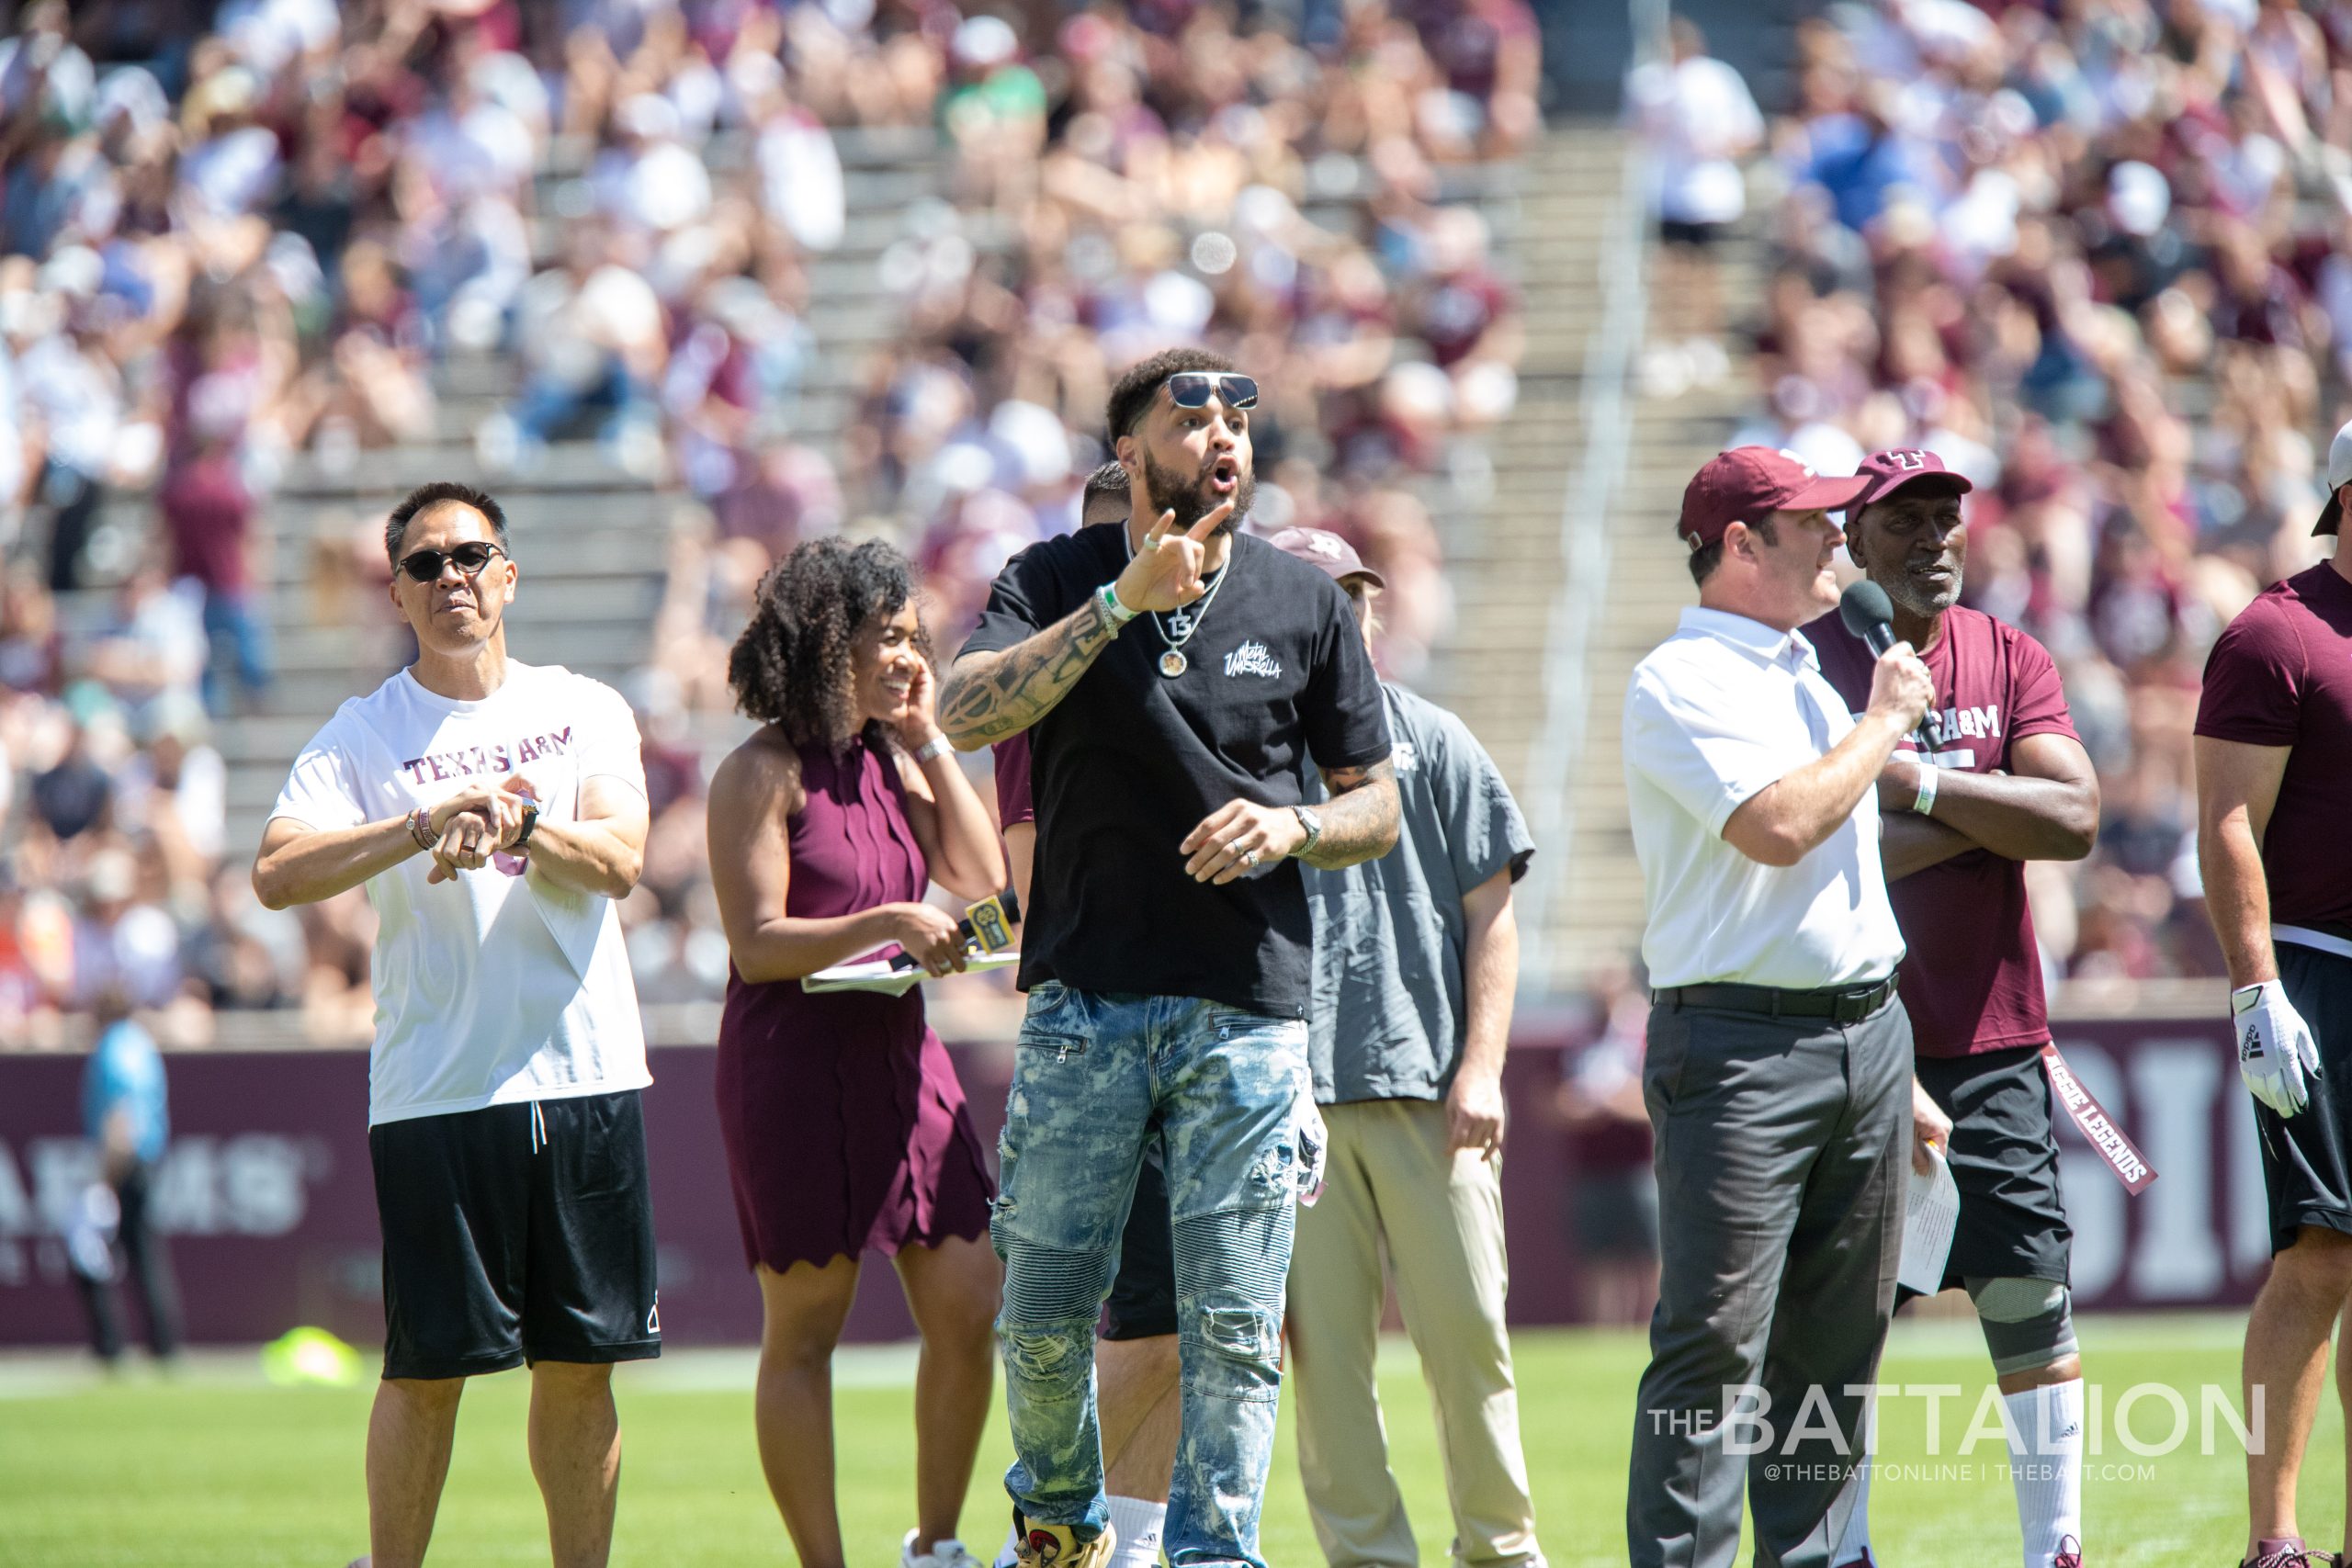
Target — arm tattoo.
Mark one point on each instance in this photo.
(988, 696)
(1360, 820)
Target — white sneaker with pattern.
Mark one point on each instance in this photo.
(948, 1553)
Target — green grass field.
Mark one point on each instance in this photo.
(214, 1469)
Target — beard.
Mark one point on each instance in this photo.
(1192, 500)
(1919, 599)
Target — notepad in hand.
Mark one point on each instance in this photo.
(875, 974)
(1928, 1220)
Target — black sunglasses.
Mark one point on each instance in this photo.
(424, 566)
(1192, 390)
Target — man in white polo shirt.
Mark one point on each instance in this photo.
(495, 812)
(1779, 1069)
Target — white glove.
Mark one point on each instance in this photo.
(2276, 1052)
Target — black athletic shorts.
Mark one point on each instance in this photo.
(1698, 236)
(2305, 1166)
(1143, 1296)
(513, 1234)
(2005, 1161)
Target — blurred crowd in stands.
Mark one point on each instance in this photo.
(2095, 256)
(246, 240)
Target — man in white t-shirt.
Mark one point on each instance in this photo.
(1700, 120)
(495, 812)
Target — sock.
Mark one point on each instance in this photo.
(2046, 1452)
(1139, 1525)
(1854, 1545)
(1011, 1552)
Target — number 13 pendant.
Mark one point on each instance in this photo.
(1172, 663)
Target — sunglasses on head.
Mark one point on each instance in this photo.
(424, 566)
(1192, 390)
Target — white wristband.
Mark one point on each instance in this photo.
(1926, 803)
(937, 746)
(1120, 614)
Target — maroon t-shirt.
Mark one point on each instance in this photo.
(208, 514)
(2282, 675)
(1973, 981)
(1014, 805)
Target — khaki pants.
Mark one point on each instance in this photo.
(1390, 1178)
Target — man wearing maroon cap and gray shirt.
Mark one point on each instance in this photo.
(1993, 778)
(1779, 1071)
(1416, 961)
(2273, 746)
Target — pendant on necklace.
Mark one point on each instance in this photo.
(1180, 625)
(1172, 663)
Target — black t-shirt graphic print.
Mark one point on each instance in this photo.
(1276, 683)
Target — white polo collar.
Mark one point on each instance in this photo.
(1754, 638)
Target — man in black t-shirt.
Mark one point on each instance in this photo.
(1176, 679)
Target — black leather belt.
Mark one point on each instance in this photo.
(1842, 1004)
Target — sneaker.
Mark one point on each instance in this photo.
(2069, 1553)
(2289, 1552)
(1057, 1546)
(943, 1553)
(1864, 1560)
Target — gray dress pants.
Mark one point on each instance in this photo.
(1783, 1152)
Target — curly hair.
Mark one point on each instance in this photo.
(791, 666)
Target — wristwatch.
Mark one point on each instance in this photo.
(1314, 826)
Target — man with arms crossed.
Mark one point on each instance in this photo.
(495, 811)
(1178, 679)
(1779, 1069)
(2004, 781)
(2274, 750)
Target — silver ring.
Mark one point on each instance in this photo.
(1249, 857)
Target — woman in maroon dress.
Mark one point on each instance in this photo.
(845, 1124)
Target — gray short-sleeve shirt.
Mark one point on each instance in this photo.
(1387, 1020)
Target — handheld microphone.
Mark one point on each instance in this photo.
(1869, 614)
(986, 927)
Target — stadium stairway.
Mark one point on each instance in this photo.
(1508, 569)
(593, 538)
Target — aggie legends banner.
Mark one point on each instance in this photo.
(269, 1209)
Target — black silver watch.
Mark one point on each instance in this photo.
(1314, 826)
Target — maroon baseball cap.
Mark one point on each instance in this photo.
(1324, 549)
(1886, 472)
(1747, 483)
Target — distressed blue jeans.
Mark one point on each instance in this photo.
(1097, 1075)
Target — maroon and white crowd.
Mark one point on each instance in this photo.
(2095, 257)
(240, 236)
